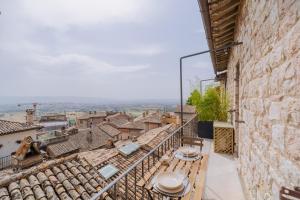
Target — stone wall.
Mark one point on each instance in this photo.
(269, 95)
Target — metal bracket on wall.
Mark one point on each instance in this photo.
(239, 121)
(231, 111)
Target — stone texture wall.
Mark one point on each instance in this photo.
(269, 95)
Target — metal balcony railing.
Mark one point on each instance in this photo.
(5, 162)
(125, 185)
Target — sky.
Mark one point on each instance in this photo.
(112, 49)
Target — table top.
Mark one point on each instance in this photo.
(223, 124)
(195, 170)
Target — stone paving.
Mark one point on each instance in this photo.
(222, 180)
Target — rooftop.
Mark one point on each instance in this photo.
(72, 177)
(9, 127)
(187, 109)
(109, 129)
(90, 138)
(118, 119)
(134, 125)
(93, 114)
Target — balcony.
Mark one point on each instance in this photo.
(127, 171)
(136, 181)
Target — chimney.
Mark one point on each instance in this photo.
(110, 144)
(34, 106)
(63, 129)
(89, 137)
(29, 116)
(95, 112)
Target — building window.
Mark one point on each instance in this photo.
(1, 145)
(18, 141)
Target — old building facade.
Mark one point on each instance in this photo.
(263, 83)
(11, 135)
(92, 118)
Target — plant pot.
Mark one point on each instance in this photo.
(205, 129)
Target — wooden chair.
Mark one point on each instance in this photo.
(186, 140)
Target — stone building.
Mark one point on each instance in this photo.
(118, 119)
(188, 112)
(90, 119)
(12, 133)
(113, 132)
(132, 129)
(262, 78)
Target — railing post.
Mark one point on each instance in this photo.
(115, 191)
(135, 183)
(126, 187)
(142, 169)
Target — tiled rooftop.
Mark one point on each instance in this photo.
(186, 109)
(109, 129)
(134, 125)
(9, 127)
(75, 176)
(118, 119)
(68, 178)
(62, 148)
(93, 115)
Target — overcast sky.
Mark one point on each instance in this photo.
(114, 49)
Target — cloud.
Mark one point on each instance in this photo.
(66, 13)
(78, 64)
(150, 50)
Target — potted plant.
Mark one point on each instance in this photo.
(212, 106)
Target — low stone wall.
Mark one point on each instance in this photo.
(269, 95)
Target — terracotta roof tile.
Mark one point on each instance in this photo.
(110, 130)
(134, 125)
(186, 109)
(69, 178)
(62, 148)
(9, 127)
(93, 115)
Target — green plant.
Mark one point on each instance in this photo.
(213, 105)
(194, 99)
(210, 105)
(224, 106)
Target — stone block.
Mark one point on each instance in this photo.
(278, 136)
(275, 191)
(290, 172)
(276, 57)
(274, 111)
(292, 139)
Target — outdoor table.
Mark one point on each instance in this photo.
(194, 170)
